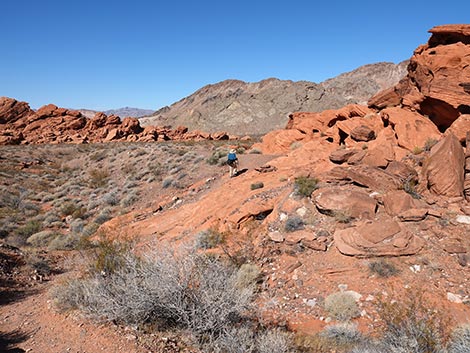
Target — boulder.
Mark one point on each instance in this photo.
(362, 133)
(460, 127)
(379, 238)
(348, 201)
(368, 176)
(342, 155)
(398, 201)
(443, 171)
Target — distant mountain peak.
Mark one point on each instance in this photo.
(240, 107)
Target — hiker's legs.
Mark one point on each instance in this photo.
(231, 171)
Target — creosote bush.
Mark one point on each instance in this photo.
(305, 185)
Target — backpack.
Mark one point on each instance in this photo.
(232, 157)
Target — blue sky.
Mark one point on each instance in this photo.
(102, 54)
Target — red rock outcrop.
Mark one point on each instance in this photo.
(444, 170)
(438, 81)
(19, 124)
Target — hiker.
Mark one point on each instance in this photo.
(232, 162)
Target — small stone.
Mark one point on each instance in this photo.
(311, 302)
(454, 298)
(342, 287)
(276, 236)
(462, 219)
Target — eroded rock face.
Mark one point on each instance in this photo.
(438, 80)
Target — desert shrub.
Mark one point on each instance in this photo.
(208, 239)
(409, 185)
(111, 198)
(73, 209)
(344, 333)
(109, 256)
(294, 223)
(430, 142)
(41, 238)
(255, 186)
(247, 275)
(167, 182)
(130, 199)
(167, 289)
(98, 177)
(411, 326)
(68, 241)
(305, 185)
(274, 341)
(460, 339)
(342, 216)
(103, 216)
(216, 157)
(235, 340)
(29, 229)
(342, 306)
(255, 151)
(383, 268)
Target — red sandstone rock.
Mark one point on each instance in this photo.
(411, 128)
(438, 79)
(350, 202)
(362, 133)
(383, 238)
(443, 172)
(11, 110)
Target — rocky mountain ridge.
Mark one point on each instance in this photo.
(239, 107)
(121, 112)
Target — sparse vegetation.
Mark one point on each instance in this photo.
(208, 239)
(167, 288)
(294, 223)
(255, 186)
(383, 268)
(305, 185)
(342, 306)
(411, 325)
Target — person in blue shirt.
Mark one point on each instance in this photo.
(232, 162)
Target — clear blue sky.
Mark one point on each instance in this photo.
(101, 54)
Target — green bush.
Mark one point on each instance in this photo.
(305, 185)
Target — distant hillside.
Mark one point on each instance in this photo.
(255, 108)
(121, 112)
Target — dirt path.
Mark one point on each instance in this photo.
(30, 324)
